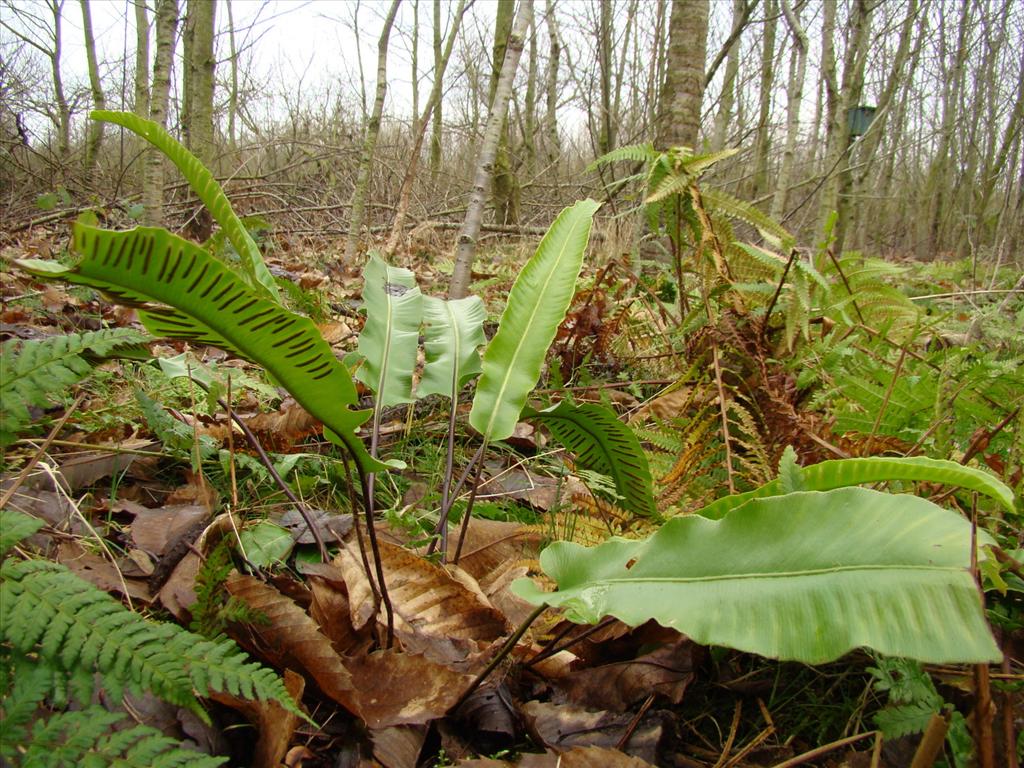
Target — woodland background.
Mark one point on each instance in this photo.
(937, 174)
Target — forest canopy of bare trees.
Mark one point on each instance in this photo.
(903, 116)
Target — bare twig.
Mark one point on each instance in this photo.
(806, 757)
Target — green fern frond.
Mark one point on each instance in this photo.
(697, 164)
(637, 153)
(725, 204)
(48, 611)
(85, 738)
(668, 185)
(31, 371)
(15, 528)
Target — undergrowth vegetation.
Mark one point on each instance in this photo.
(640, 514)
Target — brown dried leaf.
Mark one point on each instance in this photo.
(86, 468)
(490, 544)
(435, 613)
(399, 746)
(393, 688)
(178, 593)
(667, 671)
(156, 530)
(276, 725)
(564, 726)
(101, 572)
(597, 757)
(330, 610)
(668, 406)
(291, 638)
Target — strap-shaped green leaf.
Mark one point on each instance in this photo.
(206, 188)
(188, 294)
(453, 332)
(388, 342)
(806, 576)
(603, 444)
(536, 306)
(875, 469)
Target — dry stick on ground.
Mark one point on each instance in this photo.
(806, 757)
(27, 469)
(931, 743)
(634, 723)
(737, 713)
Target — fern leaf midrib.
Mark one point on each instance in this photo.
(566, 242)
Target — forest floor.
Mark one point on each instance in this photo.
(150, 492)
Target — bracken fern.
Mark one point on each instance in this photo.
(60, 634)
(30, 371)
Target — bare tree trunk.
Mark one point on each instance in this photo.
(63, 121)
(433, 103)
(840, 99)
(415, 63)
(506, 185)
(656, 74)
(855, 62)
(99, 99)
(551, 86)
(683, 90)
(435, 137)
(488, 150)
(873, 138)
(166, 24)
(723, 117)
(362, 188)
(530, 105)
(762, 141)
(141, 104)
(233, 90)
(794, 97)
(606, 133)
(197, 117)
(942, 166)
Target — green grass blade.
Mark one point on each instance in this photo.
(807, 576)
(876, 469)
(188, 294)
(603, 444)
(206, 188)
(536, 306)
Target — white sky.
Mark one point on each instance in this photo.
(312, 43)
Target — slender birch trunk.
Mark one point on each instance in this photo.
(794, 97)
(683, 90)
(166, 24)
(727, 101)
(551, 86)
(762, 140)
(488, 150)
(95, 130)
(438, 127)
(141, 105)
(362, 189)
